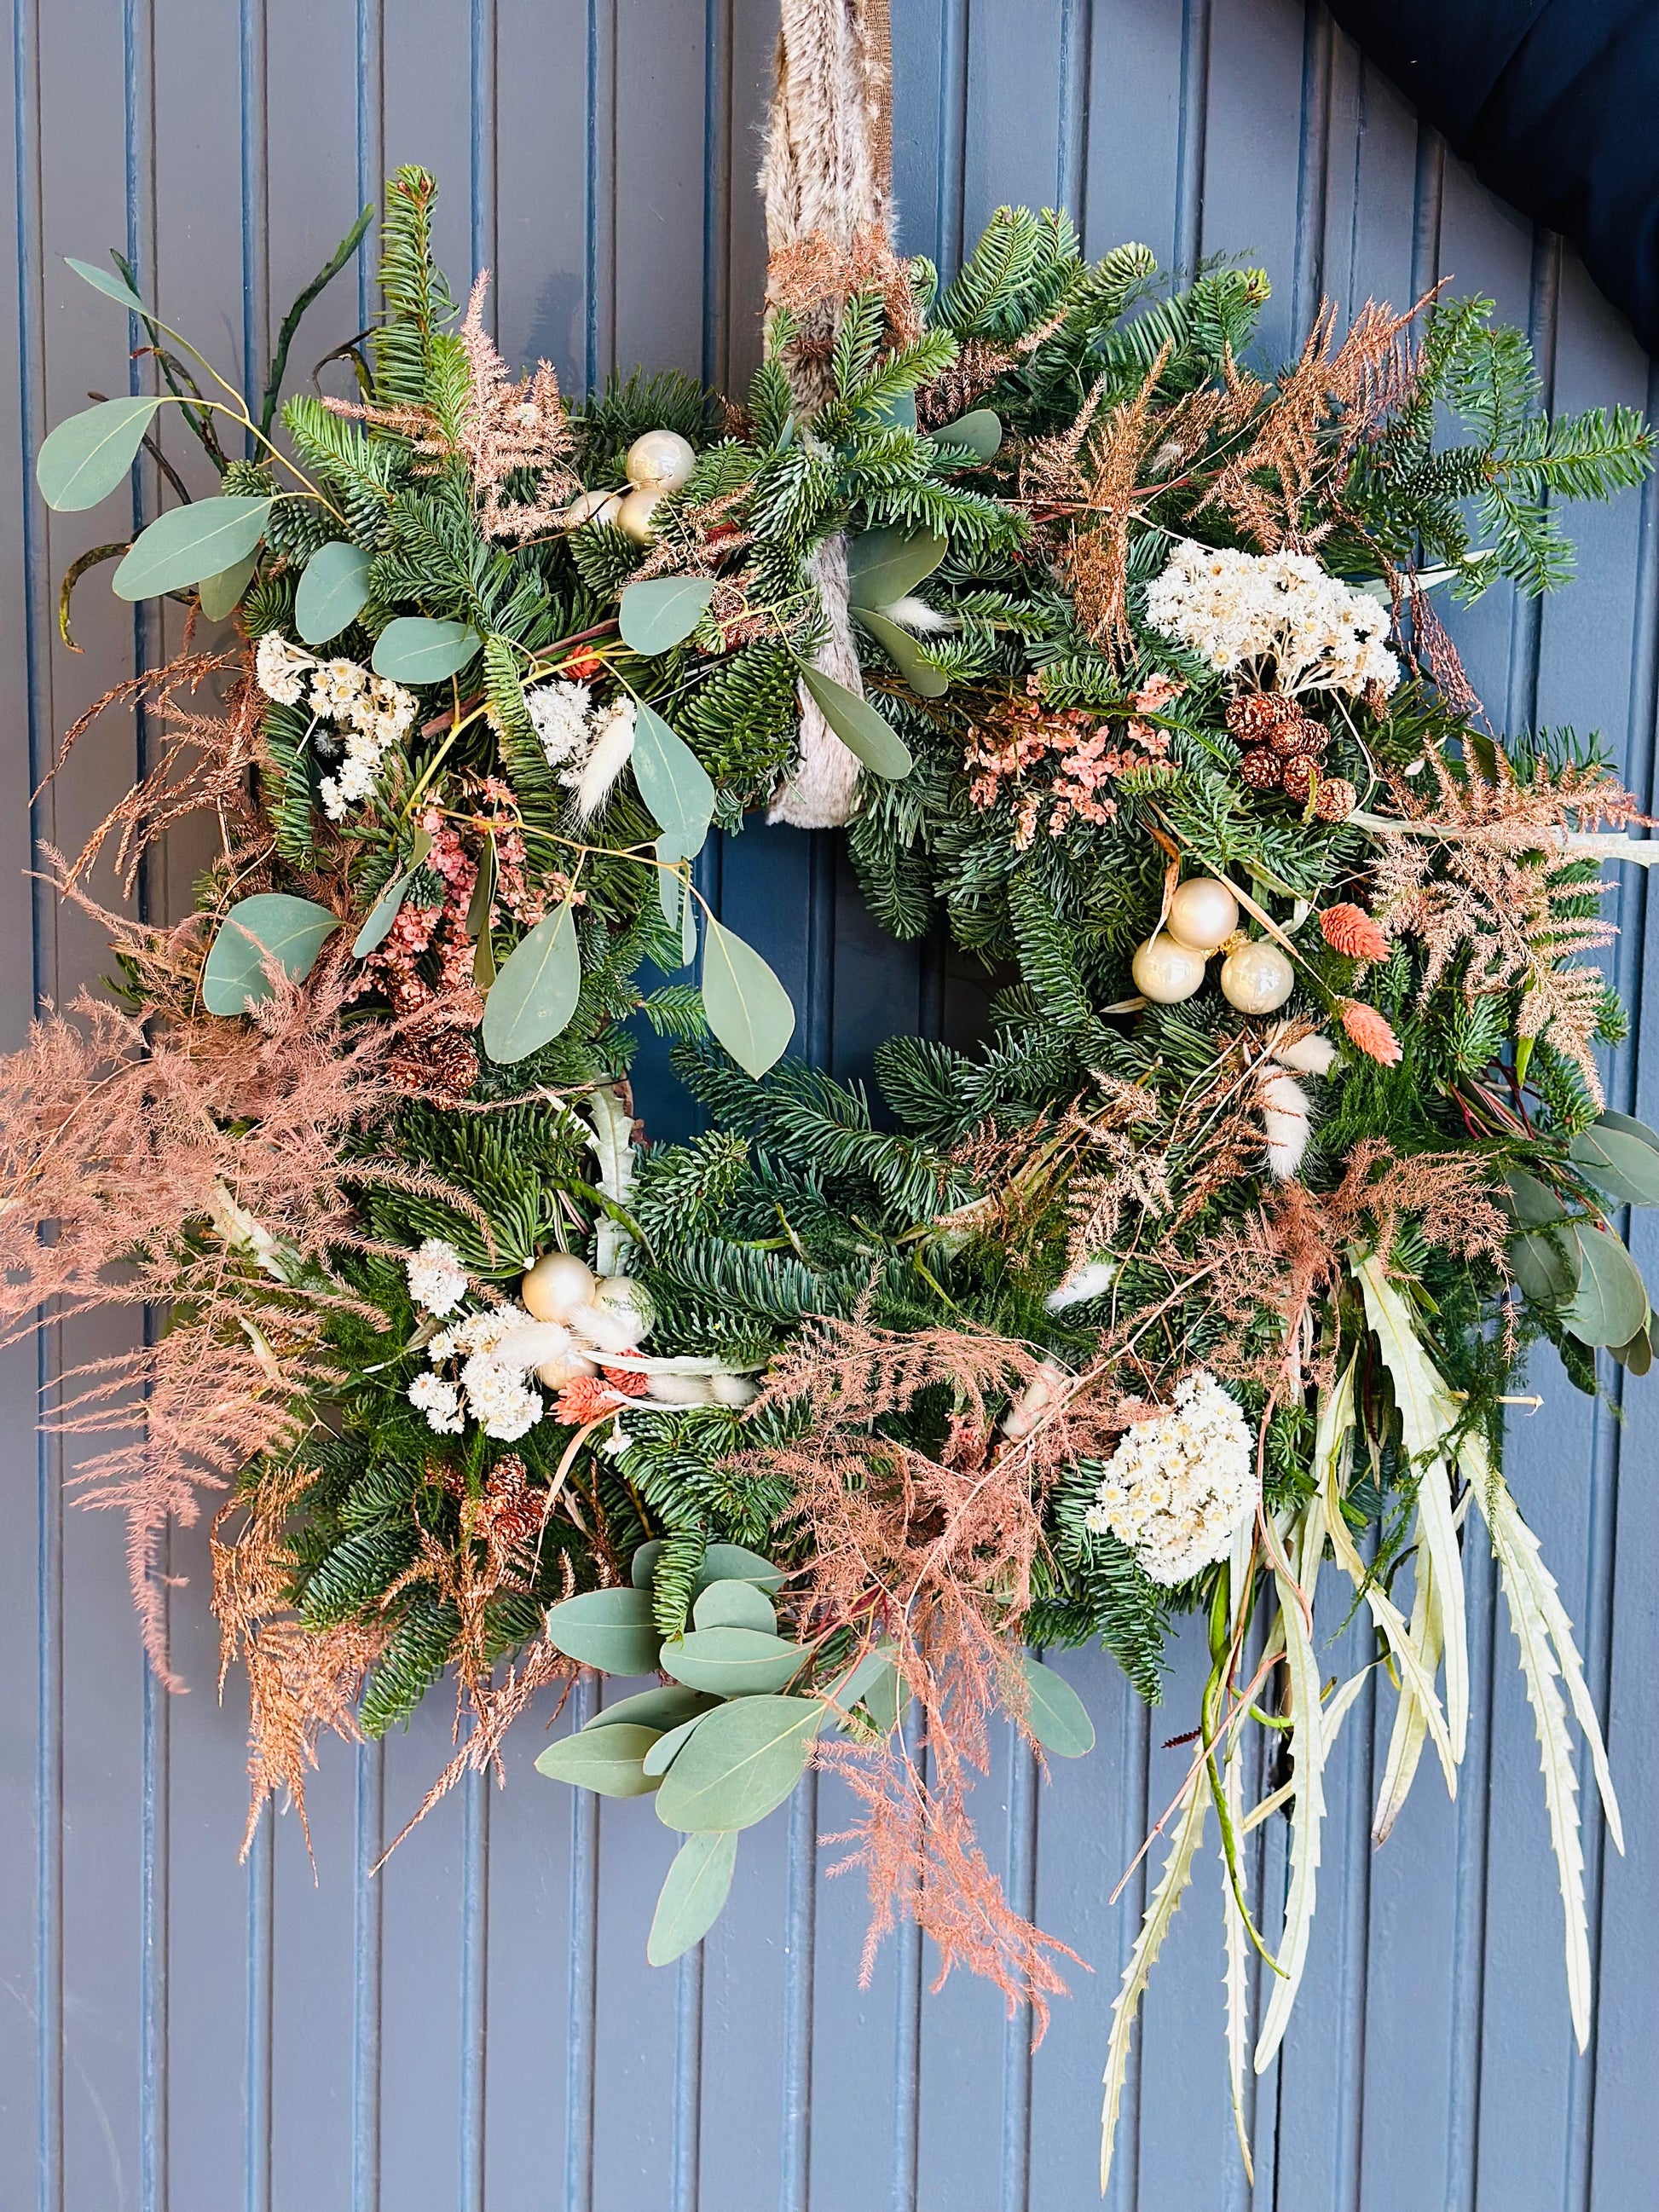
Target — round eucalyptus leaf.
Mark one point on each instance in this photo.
(1533, 1203)
(1611, 1303)
(1637, 1356)
(883, 565)
(734, 1604)
(667, 1707)
(732, 1663)
(905, 655)
(535, 995)
(981, 432)
(674, 784)
(609, 1629)
(644, 1563)
(748, 1009)
(741, 1763)
(1546, 1265)
(1055, 1713)
(1626, 1167)
(869, 736)
(663, 612)
(610, 1761)
(731, 1562)
(270, 925)
(667, 1748)
(693, 1895)
(413, 650)
(220, 594)
(188, 542)
(333, 591)
(89, 455)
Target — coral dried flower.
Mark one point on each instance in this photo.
(1370, 1033)
(591, 1397)
(1350, 930)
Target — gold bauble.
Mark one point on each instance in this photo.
(660, 461)
(1256, 978)
(591, 507)
(557, 1283)
(634, 515)
(1203, 914)
(563, 1367)
(1167, 971)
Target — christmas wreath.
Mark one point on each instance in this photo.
(1218, 1262)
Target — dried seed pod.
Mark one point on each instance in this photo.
(1262, 770)
(1336, 800)
(1295, 776)
(1304, 736)
(1253, 716)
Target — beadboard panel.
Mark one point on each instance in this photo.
(476, 2027)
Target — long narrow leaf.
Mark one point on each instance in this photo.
(1411, 1718)
(1238, 2023)
(1160, 1910)
(1308, 1813)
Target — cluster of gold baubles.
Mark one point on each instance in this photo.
(659, 462)
(1256, 975)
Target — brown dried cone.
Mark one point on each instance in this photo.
(1253, 716)
(1336, 800)
(1303, 736)
(1262, 770)
(445, 1061)
(1295, 776)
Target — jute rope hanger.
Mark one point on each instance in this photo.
(828, 171)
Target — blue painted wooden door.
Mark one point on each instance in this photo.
(476, 2027)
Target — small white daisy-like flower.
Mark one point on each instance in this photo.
(560, 713)
(440, 1401)
(499, 1399)
(1277, 615)
(336, 687)
(1179, 1486)
(437, 1280)
(280, 668)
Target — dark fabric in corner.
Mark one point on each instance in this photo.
(1555, 103)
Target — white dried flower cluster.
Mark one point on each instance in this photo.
(370, 713)
(588, 745)
(493, 1392)
(437, 1280)
(560, 712)
(1177, 1488)
(1274, 615)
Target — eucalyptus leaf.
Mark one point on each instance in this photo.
(377, 927)
(1547, 1264)
(671, 883)
(688, 931)
(413, 649)
(663, 612)
(1055, 1713)
(674, 784)
(693, 1893)
(1637, 1356)
(864, 1676)
(981, 431)
(188, 542)
(896, 411)
(535, 995)
(667, 1707)
(1626, 1167)
(732, 1663)
(884, 1698)
(1533, 1203)
(220, 594)
(866, 734)
(734, 1604)
(1630, 1125)
(112, 287)
(643, 1564)
(609, 1629)
(1611, 1303)
(90, 455)
(270, 925)
(901, 650)
(733, 1563)
(883, 565)
(748, 1009)
(610, 1761)
(741, 1763)
(333, 591)
(667, 1748)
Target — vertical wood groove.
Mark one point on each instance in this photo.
(601, 239)
(950, 199)
(1195, 99)
(257, 2067)
(582, 1987)
(482, 68)
(1313, 170)
(687, 2080)
(371, 138)
(367, 1934)
(1072, 151)
(475, 1969)
(717, 332)
(1019, 2025)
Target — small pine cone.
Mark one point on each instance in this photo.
(1349, 930)
(446, 1062)
(1295, 776)
(1262, 770)
(1336, 800)
(1253, 716)
(1303, 737)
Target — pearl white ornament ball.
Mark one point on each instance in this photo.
(660, 461)
(1203, 914)
(557, 1283)
(629, 1303)
(591, 507)
(1257, 977)
(634, 515)
(1167, 971)
(564, 1367)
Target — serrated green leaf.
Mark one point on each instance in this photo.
(981, 431)
(1611, 1303)
(734, 1605)
(220, 594)
(901, 650)
(663, 612)
(272, 925)
(113, 288)
(333, 591)
(693, 1895)
(732, 1663)
(90, 455)
(189, 543)
(609, 1761)
(535, 995)
(667, 1707)
(674, 784)
(741, 1763)
(883, 565)
(413, 649)
(748, 1009)
(733, 1563)
(1055, 1713)
(867, 735)
(609, 1629)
